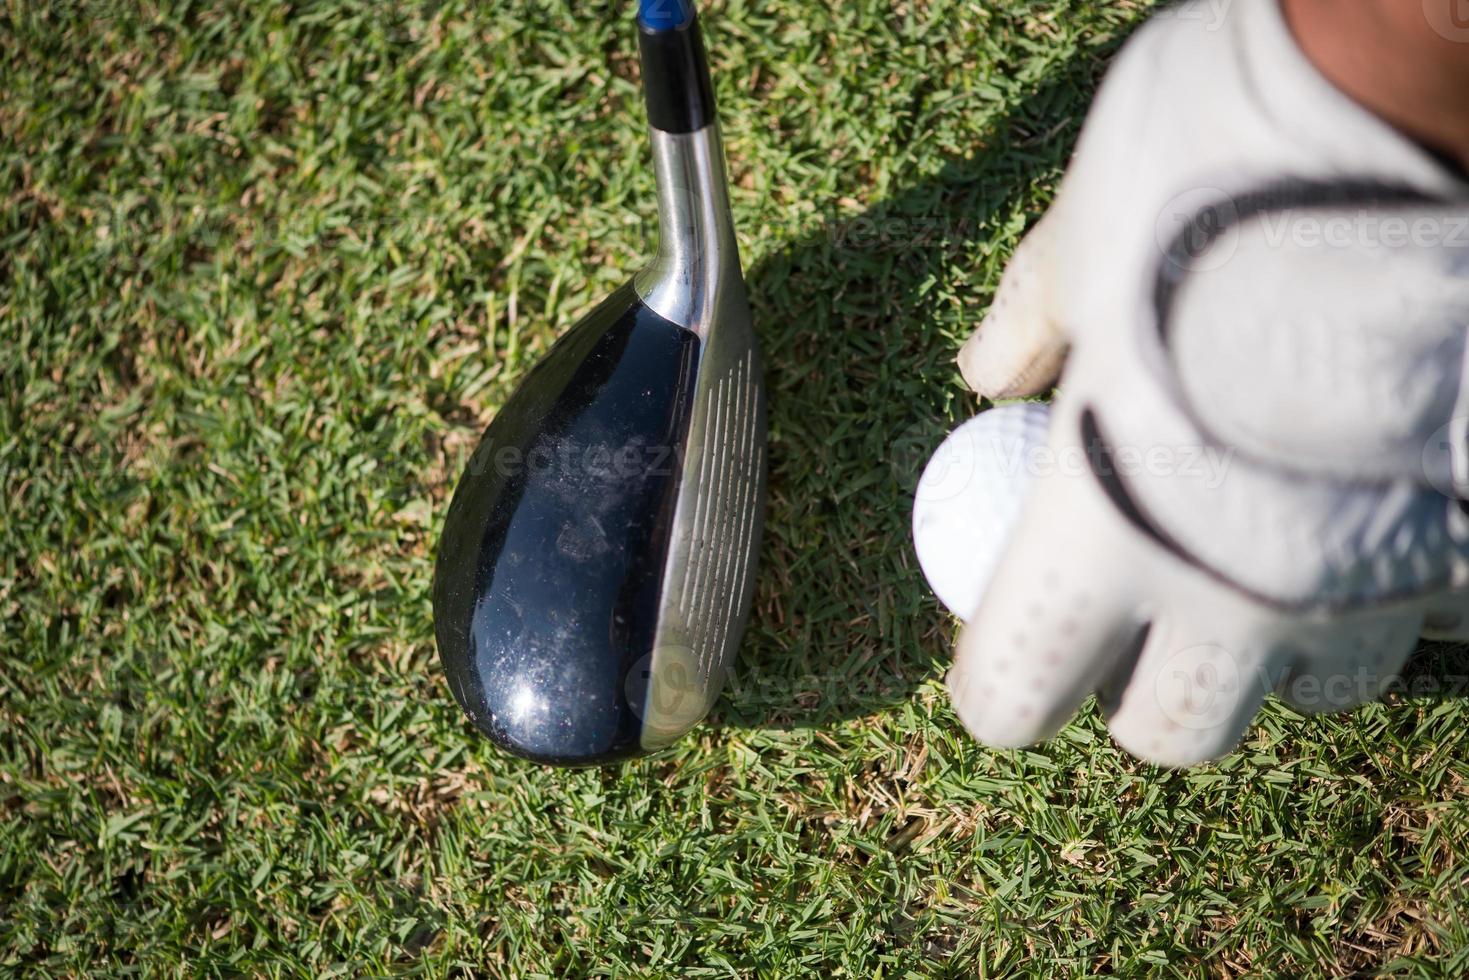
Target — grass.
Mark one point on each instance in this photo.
(267, 271)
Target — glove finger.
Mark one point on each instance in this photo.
(1054, 619)
(1018, 349)
(1197, 685)
(1349, 663)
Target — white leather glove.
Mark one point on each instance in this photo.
(1257, 449)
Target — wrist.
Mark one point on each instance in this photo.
(1388, 56)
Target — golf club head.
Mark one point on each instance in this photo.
(598, 556)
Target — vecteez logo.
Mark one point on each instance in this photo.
(1446, 459)
(1198, 229)
(636, 460)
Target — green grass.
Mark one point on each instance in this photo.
(267, 269)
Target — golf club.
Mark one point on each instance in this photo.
(598, 557)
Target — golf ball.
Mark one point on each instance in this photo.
(970, 497)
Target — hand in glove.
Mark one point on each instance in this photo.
(1259, 290)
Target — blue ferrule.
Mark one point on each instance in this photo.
(665, 15)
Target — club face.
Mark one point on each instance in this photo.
(710, 573)
(582, 595)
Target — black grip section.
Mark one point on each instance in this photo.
(676, 78)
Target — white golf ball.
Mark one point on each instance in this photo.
(970, 499)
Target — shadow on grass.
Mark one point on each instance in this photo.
(1437, 671)
(862, 387)
(859, 335)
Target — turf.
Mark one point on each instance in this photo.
(265, 272)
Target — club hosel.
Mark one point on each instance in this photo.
(697, 254)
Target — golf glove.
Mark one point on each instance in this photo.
(1254, 473)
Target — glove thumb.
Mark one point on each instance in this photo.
(1019, 348)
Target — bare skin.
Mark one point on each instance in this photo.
(1388, 56)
